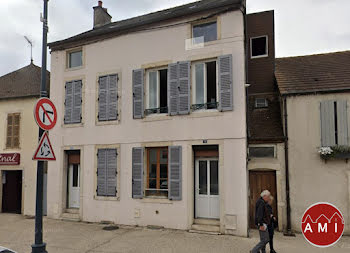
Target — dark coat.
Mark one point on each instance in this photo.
(261, 213)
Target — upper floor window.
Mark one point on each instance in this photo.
(13, 124)
(73, 102)
(108, 98)
(261, 103)
(205, 32)
(334, 123)
(262, 151)
(157, 91)
(75, 59)
(204, 95)
(259, 47)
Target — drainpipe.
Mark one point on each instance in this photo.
(286, 158)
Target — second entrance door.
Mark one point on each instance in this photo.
(207, 188)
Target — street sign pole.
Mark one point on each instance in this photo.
(39, 246)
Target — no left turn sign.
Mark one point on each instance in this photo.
(45, 114)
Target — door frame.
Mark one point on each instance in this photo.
(196, 160)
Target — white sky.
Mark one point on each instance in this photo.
(302, 26)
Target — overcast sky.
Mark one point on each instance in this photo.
(302, 26)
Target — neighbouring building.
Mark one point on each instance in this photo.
(266, 164)
(151, 127)
(315, 91)
(19, 92)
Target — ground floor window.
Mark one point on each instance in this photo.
(157, 172)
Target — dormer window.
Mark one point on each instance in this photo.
(259, 47)
(261, 103)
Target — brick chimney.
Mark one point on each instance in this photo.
(101, 16)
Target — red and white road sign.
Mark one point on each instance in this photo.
(45, 114)
(44, 152)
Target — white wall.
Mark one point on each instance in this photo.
(141, 50)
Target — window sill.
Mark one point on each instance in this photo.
(259, 56)
(72, 125)
(74, 69)
(156, 117)
(107, 122)
(156, 200)
(104, 198)
(206, 113)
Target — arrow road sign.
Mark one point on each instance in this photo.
(44, 152)
(45, 114)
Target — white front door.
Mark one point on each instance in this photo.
(74, 186)
(207, 188)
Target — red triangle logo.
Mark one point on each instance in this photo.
(44, 151)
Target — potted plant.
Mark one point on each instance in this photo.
(335, 152)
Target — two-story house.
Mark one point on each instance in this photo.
(315, 101)
(19, 91)
(152, 127)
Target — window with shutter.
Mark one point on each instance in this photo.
(73, 102)
(225, 83)
(137, 173)
(107, 172)
(137, 89)
(204, 94)
(334, 123)
(13, 127)
(108, 98)
(156, 91)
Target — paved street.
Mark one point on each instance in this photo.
(16, 232)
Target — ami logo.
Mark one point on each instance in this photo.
(322, 224)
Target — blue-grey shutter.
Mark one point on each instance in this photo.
(225, 83)
(68, 104)
(101, 172)
(102, 98)
(173, 89)
(137, 89)
(77, 101)
(137, 173)
(342, 122)
(184, 87)
(111, 161)
(175, 173)
(327, 123)
(113, 97)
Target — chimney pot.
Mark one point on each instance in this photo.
(101, 16)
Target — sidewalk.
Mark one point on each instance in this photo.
(17, 233)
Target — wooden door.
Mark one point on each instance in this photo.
(259, 181)
(12, 192)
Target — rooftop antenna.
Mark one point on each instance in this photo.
(31, 48)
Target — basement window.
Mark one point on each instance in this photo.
(261, 103)
(259, 47)
(157, 91)
(205, 85)
(262, 152)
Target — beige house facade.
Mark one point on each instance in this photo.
(19, 138)
(151, 128)
(318, 116)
